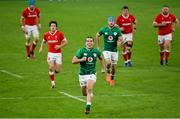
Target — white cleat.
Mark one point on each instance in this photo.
(53, 84)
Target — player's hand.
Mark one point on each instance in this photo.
(83, 59)
(164, 24)
(103, 71)
(173, 29)
(39, 26)
(23, 29)
(121, 28)
(57, 47)
(40, 50)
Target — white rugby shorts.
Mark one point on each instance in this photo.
(54, 57)
(127, 37)
(84, 78)
(163, 38)
(111, 56)
(31, 30)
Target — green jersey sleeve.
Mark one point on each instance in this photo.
(119, 32)
(79, 54)
(98, 53)
(101, 31)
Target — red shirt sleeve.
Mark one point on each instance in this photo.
(157, 19)
(24, 13)
(173, 18)
(44, 37)
(118, 21)
(133, 18)
(38, 12)
(62, 35)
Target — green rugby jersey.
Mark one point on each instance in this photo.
(89, 66)
(110, 38)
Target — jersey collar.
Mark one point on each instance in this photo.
(52, 33)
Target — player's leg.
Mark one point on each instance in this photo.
(167, 45)
(125, 55)
(89, 90)
(107, 58)
(82, 82)
(113, 67)
(161, 48)
(36, 38)
(129, 52)
(124, 50)
(58, 61)
(27, 44)
(51, 74)
(51, 63)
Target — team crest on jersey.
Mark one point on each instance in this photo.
(110, 38)
(48, 37)
(94, 54)
(106, 33)
(90, 59)
(115, 33)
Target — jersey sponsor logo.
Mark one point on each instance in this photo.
(52, 41)
(32, 15)
(167, 22)
(90, 59)
(110, 38)
(126, 24)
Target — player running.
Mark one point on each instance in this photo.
(87, 58)
(30, 24)
(56, 40)
(127, 23)
(166, 24)
(112, 38)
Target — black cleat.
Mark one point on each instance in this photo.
(32, 55)
(87, 111)
(166, 62)
(129, 64)
(161, 62)
(125, 64)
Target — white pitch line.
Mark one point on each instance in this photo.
(12, 74)
(13, 98)
(73, 97)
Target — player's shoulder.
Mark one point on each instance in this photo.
(82, 50)
(37, 9)
(131, 15)
(102, 29)
(159, 15)
(172, 15)
(119, 17)
(46, 33)
(96, 50)
(59, 32)
(25, 9)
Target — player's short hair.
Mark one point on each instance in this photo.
(111, 18)
(165, 6)
(125, 7)
(53, 22)
(90, 38)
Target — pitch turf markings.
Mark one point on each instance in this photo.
(73, 97)
(12, 74)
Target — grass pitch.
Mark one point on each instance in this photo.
(145, 90)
